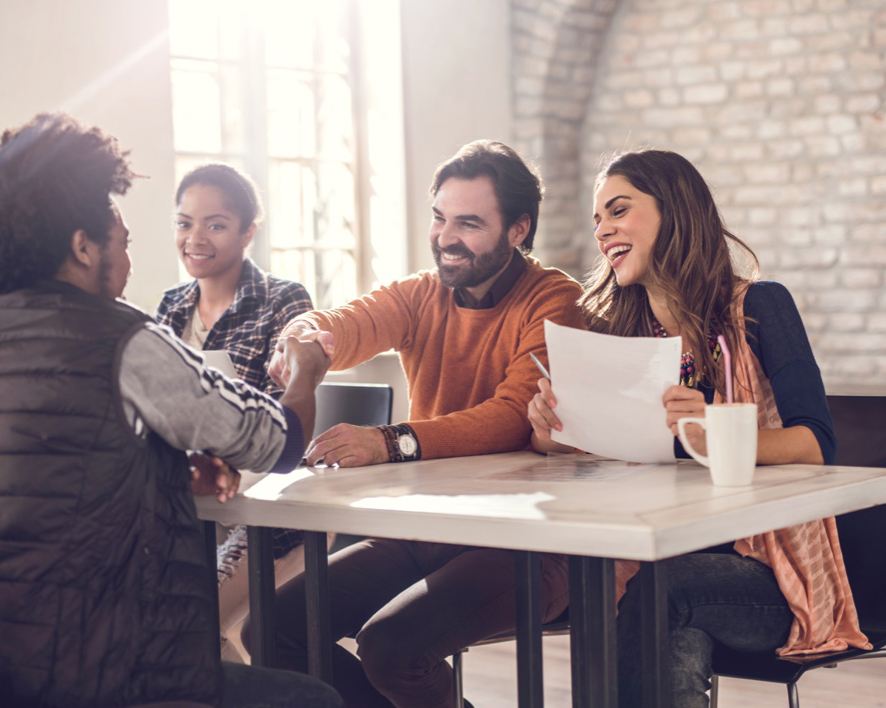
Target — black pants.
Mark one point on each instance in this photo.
(410, 605)
(711, 597)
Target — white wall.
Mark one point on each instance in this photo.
(107, 64)
(457, 88)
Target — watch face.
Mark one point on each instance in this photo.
(407, 445)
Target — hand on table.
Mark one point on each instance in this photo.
(348, 446)
(684, 402)
(212, 475)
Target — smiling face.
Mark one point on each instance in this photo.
(468, 238)
(627, 224)
(210, 238)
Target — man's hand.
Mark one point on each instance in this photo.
(348, 446)
(306, 361)
(280, 367)
(212, 475)
(684, 402)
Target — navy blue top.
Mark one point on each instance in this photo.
(776, 336)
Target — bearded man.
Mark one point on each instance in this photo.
(464, 333)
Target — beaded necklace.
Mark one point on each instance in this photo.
(687, 361)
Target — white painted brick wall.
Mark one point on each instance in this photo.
(781, 104)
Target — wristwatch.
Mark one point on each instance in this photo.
(401, 442)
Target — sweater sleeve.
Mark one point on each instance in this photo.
(500, 423)
(776, 336)
(166, 389)
(375, 323)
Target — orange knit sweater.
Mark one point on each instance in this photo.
(469, 373)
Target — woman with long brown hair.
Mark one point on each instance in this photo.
(667, 270)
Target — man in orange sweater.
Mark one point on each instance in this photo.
(464, 333)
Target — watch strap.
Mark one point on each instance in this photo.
(392, 435)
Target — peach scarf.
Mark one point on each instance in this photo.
(806, 559)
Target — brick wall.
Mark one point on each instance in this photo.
(780, 103)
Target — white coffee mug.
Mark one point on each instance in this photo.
(731, 432)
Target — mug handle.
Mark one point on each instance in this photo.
(681, 429)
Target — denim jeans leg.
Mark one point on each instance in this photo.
(712, 597)
(258, 687)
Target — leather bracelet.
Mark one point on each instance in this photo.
(401, 443)
(390, 442)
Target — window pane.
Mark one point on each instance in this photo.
(195, 107)
(299, 266)
(336, 277)
(336, 218)
(335, 118)
(234, 19)
(193, 28)
(267, 83)
(293, 205)
(233, 102)
(330, 276)
(289, 40)
(334, 41)
(291, 114)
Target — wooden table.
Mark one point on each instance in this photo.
(593, 510)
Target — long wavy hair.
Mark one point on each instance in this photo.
(691, 263)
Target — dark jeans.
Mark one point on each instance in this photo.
(712, 597)
(256, 687)
(411, 605)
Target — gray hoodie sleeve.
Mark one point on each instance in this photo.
(166, 388)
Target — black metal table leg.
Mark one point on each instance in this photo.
(317, 606)
(212, 565)
(592, 632)
(654, 628)
(261, 596)
(530, 687)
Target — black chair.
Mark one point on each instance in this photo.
(367, 404)
(861, 442)
(354, 403)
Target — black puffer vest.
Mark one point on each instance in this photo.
(104, 589)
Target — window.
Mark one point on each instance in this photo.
(275, 88)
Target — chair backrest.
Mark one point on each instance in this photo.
(357, 404)
(860, 427)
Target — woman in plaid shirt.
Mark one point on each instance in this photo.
(231, 305)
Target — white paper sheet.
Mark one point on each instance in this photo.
(609, 392)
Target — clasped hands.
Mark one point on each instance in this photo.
(342, 445)
(212, 475)
(679, 402)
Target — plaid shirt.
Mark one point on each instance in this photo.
(248, 332)
(250, 327)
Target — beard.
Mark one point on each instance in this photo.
(107, 286)
(480, 268)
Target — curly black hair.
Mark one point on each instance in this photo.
(56, 176)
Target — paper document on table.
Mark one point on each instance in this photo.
(609, 392)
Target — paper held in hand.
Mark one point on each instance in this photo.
(609, 392)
